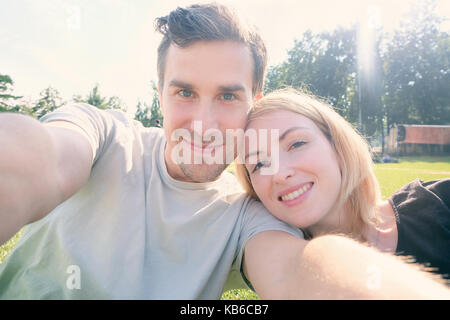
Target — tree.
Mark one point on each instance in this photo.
(155, 109)
(95, 99)
(407, 81)
(417, 69)
(143, 114)
(148, 115)
(324, 64)
(7, 99)
(49, 101)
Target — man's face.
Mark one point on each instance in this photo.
(207, 88)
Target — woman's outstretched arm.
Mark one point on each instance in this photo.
(281, 266)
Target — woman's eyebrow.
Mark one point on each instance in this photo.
(280, 139)
(290, 130)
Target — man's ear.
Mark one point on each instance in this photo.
(160, 99)
(258, 96)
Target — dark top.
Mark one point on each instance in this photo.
(423, 223)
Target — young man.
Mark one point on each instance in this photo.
(114, 215)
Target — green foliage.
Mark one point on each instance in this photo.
(8, 101)
(49, 101)
(149, 115)
(95, 99)
(323, 64)
(407, 81)
(143, 114)
(417, 70)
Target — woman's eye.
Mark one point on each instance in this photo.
(297, 144)
(185, 93)
(259, 165)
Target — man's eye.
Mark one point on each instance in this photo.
(185, 93)
(228, 96)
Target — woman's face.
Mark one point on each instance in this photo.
(306, 185)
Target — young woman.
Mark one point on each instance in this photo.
(325, 183)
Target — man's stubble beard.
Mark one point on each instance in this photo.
(205, 172)
(202, 172)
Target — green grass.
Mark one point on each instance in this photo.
(391, 176)
(239, 294)
(9, 245)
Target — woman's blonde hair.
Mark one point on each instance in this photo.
(360, 192)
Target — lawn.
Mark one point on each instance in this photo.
(391, 176)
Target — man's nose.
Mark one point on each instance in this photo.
(204, 118)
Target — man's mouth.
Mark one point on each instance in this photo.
(201, 148)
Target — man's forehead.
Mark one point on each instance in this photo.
(224, 64)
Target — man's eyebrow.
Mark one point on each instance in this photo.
(180, 84)
(232, 88)
(185, 85)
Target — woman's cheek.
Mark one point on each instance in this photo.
(261, 187)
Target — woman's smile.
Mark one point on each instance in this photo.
(299, 194)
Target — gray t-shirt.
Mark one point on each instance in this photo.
(132, 231)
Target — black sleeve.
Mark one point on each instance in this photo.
(441, 188)
(423, 223)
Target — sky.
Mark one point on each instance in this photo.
(72, 45)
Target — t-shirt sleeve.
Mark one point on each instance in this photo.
(423, 223)
(96, 123)
(256, 219)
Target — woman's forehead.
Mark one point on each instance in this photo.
(279, 119)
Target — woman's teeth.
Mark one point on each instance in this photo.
(297, 193)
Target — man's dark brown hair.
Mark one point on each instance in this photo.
(209, 22)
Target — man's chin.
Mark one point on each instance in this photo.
(202, 172)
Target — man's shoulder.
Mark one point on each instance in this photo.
(149, 135)
(230, 188)
(235, 194)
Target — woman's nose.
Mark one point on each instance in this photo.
(284, 172)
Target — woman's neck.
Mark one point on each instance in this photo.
(336, 221)
(383, 235)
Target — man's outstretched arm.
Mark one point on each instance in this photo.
(281, 266)
(41, 165)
